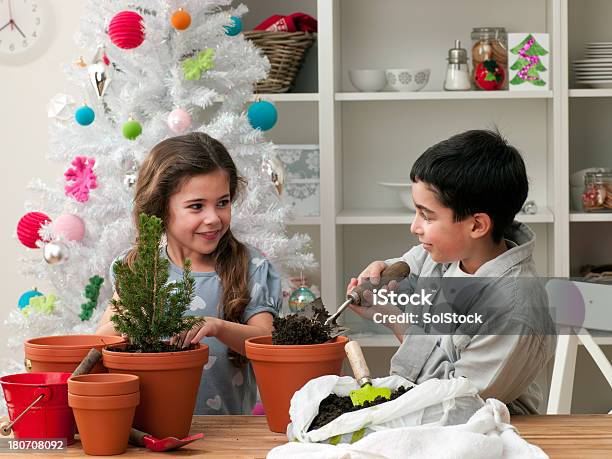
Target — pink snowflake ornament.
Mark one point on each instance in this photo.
(80, 178)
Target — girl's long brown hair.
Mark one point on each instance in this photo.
(169, 164)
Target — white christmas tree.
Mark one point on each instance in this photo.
(204, 70)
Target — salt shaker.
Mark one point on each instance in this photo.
(457, 72)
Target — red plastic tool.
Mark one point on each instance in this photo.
(160, 444)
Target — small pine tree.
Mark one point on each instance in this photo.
(150, 309)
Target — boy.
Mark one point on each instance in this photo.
(467, 190)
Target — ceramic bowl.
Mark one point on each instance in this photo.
(404, 191)
(407, 80)
(368, 80)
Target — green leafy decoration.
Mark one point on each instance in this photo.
(149, 309)
(517, 80)
(203, 61)
(520, 63)
(92, 292)
(535, 49)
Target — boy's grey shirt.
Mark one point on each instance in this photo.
(503, 365)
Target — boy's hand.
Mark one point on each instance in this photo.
(367, 312)
(210, 327)
(372, 274)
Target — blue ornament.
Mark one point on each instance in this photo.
(24, 300)
(235, 28)
(84, 116)
(262, 115)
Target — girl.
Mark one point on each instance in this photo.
(190, 183)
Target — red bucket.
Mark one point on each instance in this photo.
(50, 416)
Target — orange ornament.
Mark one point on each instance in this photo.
(181, 19)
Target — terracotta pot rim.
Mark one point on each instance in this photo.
(294, 353)
(148, 354)
(155, 361)
(254, 343)
(103, 384)
(103, 403)
(44, 343)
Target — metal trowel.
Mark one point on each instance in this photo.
(316, 311)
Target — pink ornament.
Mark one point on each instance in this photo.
(179, 120)
(29, 226)
(126, 30)
(70, 226)
(81, 178)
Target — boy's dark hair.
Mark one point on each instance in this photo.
(476, 171)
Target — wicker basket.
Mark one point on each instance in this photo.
(285, 51)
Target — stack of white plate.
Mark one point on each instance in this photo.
(596, 70)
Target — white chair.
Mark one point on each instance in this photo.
(597, 301)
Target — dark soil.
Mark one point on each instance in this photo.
(298, 329)
(334, 406)
(165, 347)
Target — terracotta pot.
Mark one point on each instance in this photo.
(281, 370)
(64, 353)
(169, 383)
(104, 406)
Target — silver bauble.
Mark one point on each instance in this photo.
(275, 169)
(98, 73)
(130, 179)
(55, 252)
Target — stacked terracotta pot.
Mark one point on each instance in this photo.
(104, 406)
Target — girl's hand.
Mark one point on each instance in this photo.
(210, 327)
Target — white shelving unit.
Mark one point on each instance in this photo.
(370, 137)
(443, 95)
(405, 217)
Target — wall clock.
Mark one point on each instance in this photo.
(25, 30)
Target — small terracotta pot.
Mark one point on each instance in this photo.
(169, 383)
(281, 370)
(64, 353)
(104, 406)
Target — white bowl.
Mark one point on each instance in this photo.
(407, 80)
(405, 193)
(368, 80)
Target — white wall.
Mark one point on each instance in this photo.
(24, 93)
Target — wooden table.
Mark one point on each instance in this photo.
(241, 437)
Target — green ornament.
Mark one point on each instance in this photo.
(203, 61)
(92, 292)
(41, 304)
(131, 129)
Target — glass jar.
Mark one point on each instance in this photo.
(597, 194)
(489, 58)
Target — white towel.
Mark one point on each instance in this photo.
(487, 434)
